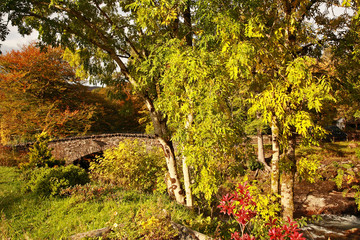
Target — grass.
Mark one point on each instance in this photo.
(27, 216)
(333, 150)
(130, 213)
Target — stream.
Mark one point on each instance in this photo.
(333, 227)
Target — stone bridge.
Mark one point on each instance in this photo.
(74, 148)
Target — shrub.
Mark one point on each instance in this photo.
(155, 225)
(253, 165)
(243, 207)
(130, 166)
(40, 154)
(346, 176)
(50, 181)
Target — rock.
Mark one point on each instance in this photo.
(186, 233)
(353, 145)
(91, 234)
(352, 230)
(314, 204)
(322, 197)
(331, 203)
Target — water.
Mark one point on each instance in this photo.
(334, 227)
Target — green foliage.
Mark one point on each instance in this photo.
(289, 107)
(50, 181)
(40, 154)
(357, 195)
(253, 165)
(345, 175)
(150, 216)
(266, 54)
(202, 112)
(303, 221)
(347, 179)
(357, 153)
(308, 167)
(131, 166)
(118, 109)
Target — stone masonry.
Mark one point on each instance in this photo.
(71, 149)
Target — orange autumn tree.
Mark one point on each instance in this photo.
(39, 92)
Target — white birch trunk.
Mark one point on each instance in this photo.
(275, 172)
(164, 137)
(186, 172)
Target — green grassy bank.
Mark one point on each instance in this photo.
(130, 214)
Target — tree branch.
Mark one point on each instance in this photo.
(116, 26)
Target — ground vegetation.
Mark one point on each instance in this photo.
(206, 68)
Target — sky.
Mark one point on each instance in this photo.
(15, 41)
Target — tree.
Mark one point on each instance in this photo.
(293, 89)
(195, 94)
(342, 59)
(39, 93)
(267, 48)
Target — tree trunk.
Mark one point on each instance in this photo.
(261, 154)
(275, 173)
(186, 172)
(187, 21)
(287, 179)
(164, 137)
(188, 192)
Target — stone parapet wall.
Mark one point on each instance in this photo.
(73, 148)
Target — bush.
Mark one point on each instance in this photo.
(50, 181)
(40, 154)
(242, 206)
(131, 166)
(155, 224)
(147, 216)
